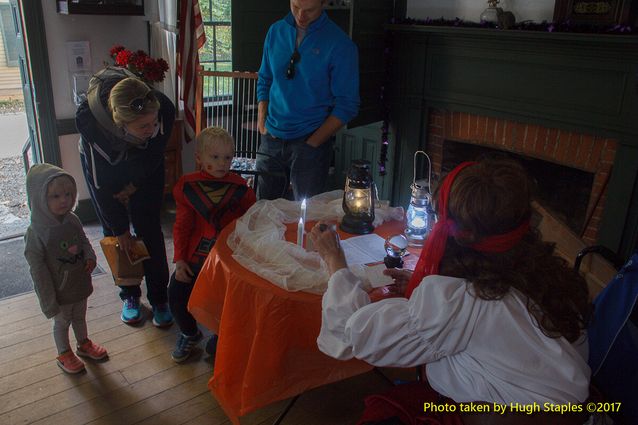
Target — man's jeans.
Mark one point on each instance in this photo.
(306, 166)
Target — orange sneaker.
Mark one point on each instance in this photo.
(91, 350)
(69, 363)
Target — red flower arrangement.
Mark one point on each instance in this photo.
(139, 63)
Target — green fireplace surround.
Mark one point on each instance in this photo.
(578, 82)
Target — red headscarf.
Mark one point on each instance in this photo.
(436, 242)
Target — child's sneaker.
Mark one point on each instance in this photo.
(69, 363)
(184, 346)
(91, 350)
(162, 316)
(131, 310)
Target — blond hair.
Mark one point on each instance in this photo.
(125, 92)
(213, 135)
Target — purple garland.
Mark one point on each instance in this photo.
(566, 26)
(385, 109)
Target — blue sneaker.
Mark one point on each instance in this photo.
(162, 316)
(184, 346)
(211, 345)
(131, 310)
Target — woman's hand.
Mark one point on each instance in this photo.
(183, 272)
(89, 265)
(326, 242)
(401, 278)
(125, 241)
(397, 289)
(124, 195)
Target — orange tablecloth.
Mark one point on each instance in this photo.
(267, 349)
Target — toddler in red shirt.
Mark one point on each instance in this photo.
(206, 201)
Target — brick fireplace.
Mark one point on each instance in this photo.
(565, 103)
(579, 151)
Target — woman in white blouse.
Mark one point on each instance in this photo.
(490, 310)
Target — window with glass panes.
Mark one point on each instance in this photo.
(215, 55)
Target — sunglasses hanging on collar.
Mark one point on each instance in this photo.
(290, 71)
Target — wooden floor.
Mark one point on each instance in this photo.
(139, 383)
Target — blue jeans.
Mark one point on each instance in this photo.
(306, 166)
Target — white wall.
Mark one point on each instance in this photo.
(102, 31)
(470, 10)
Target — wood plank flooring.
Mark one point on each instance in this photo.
(139, 383)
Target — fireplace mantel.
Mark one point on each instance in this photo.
(574, 82)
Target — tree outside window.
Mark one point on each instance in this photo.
(215, 55)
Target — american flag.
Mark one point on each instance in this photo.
(191, 38)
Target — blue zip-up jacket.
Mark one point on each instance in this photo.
(326, 80)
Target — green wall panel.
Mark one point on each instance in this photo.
(363, 143)
(577, 90)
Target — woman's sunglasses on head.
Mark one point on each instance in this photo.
(139, 103)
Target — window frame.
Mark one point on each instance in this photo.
(223, 99)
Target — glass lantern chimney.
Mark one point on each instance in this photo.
(420, 215)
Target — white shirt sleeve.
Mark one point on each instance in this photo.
(437, 321)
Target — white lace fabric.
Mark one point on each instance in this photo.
(258, 242)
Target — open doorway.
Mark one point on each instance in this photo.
(24, 123)
(14, 213)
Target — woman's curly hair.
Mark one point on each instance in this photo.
(493, 197)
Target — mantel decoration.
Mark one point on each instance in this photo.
(601, 12)
(139, 63)
(492, 12)
(495, 15)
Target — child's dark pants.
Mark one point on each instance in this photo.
(178, 295)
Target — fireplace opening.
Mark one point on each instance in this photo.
(565, 191)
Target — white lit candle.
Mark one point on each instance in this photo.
(300, 232)
(303, 210)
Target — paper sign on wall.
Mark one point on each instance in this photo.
(78, 56)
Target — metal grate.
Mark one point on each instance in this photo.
(229, 100)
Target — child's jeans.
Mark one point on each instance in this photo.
(178, 295)
(70, 315)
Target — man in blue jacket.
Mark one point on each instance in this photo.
(308, 89)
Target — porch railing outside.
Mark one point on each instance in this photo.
(229, 100)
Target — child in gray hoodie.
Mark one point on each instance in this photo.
(61, 260)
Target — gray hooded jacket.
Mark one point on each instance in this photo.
(56, 251)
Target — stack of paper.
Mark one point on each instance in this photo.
(363, 254)
(364, 249)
